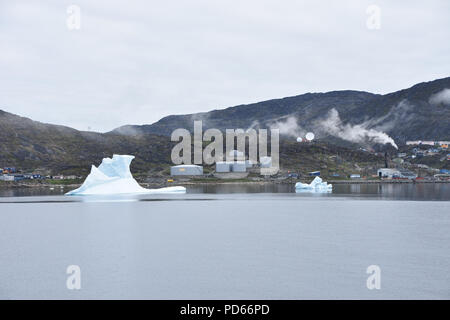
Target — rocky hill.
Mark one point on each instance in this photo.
(342, 121)
(30, 144)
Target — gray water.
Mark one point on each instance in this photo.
(228, 242)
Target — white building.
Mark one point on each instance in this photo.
(186, 170)
(239, 166)
(223, 166)
(231, 166)
(388, 173)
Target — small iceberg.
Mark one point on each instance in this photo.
(113, 176)
(317, 185)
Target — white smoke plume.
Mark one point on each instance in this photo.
(288, 127)
(442, 97)
(354, 133)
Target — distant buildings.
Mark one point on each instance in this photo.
(12, 174)
(442, 144)
(388, 173)
(232, 166)
(20, 176)
(406, 174)
(392, 173)
(239, 164)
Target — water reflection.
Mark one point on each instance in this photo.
(406, 191)
(32, 191)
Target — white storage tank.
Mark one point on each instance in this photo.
(239, 166)
(265, 162)
(223, 166)
(186, 170)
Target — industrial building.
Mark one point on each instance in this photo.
(395, 173)
(407, 174)
(388, 173)
(231, 166)
(223, 166)
(186, 170)
(239, 166)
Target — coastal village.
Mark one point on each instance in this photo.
(410, 164)
(406, 165)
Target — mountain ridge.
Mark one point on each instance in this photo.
(310, 107)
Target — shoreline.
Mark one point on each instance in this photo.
(18, 185)
(328, 181)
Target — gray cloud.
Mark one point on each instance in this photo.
(133, 63)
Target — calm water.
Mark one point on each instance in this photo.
(229, 242)
(420, 191)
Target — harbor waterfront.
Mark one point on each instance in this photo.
(164, 182)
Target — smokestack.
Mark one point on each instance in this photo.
(386, 159)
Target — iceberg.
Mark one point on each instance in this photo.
(113, 176)
(317, 185)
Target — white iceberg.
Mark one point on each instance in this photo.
(113, 176)
(317, 185)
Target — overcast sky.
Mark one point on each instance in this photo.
(134, 62)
